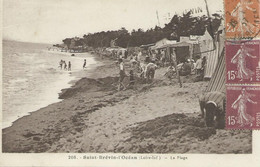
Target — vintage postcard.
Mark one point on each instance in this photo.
(129, 83)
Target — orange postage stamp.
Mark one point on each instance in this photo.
(242, 19)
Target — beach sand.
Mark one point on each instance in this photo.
(150, 118)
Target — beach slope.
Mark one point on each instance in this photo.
(150, 118)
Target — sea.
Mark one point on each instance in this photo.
(32, 79)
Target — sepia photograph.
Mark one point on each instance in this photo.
(119, 76)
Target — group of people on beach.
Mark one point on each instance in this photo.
(144, 62)
(146, 70)
(63, 65)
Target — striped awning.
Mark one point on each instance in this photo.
(212, 60)
(218, 79)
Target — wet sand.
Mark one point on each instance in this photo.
(150, 118)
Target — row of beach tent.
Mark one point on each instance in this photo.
(190, 47)
(193, 46)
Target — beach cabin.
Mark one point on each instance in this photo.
(193, 46)
(183, 49)
(63, 48)
(162, 45)
(117, 51)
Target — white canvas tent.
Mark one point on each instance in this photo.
(147, 45)
(218, 79)
(163, 44)
(210, 51)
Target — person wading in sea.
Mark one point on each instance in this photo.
(61, 63)
(65, 65)
(69, 66)
(84, 64)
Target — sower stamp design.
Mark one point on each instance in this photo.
(243, 62)
(243, 107)
(242, 18)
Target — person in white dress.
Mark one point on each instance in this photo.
(240, 60)
(240, 104)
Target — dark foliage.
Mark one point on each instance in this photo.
(184, 25)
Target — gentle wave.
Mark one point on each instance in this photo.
(32, 80)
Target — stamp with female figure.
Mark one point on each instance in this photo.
(243, 62)
(243, 107)
(242, 19)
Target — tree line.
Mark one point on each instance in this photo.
(184, 25)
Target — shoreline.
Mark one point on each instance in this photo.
(82, 75)
(69, 79)
(94, 117)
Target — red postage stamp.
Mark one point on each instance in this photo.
(242, 18)
(243, 107)
(243, 62)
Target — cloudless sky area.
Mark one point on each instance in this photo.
(50, 21)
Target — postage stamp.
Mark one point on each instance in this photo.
(242, 19)
(243, 62)
(243, 107)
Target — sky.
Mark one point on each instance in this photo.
(51, 21)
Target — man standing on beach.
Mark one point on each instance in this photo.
(121, 74)
(198, 67)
